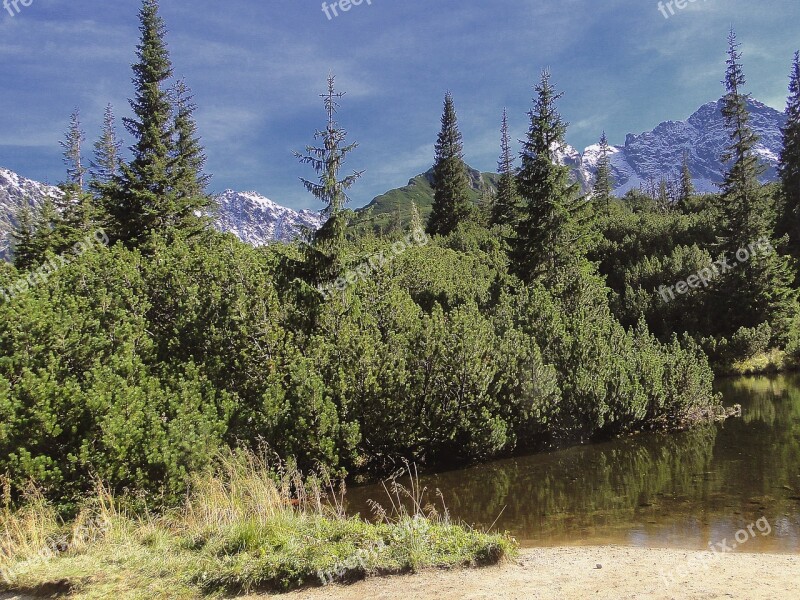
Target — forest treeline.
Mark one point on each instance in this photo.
(526, 323)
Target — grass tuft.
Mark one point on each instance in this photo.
(765, 363)
(244, 527)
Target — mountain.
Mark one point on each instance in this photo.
(249, 216)
(644, 158)
(384, 210)
(258, 220)
(659, 153)
(16, 191)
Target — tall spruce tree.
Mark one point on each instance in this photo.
(789, 167)
(143, 202)
(451, 204)
(76, 211)
(603, 189)
(755, 290)
(189, 182)
(73, 152)
(552, 230)
(325, 254)
(505, 207)
(745, 203)
(104, 167)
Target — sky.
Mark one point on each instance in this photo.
(257, 68)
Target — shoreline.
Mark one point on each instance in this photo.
(566, 573)
(577, 572)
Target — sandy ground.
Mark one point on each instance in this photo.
(606, 572)
(573, 573)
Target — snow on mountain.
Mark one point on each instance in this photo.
(16, 191)
(647, 157)
(658, 154)
(249, 216)
(258, 220)
(569, 156)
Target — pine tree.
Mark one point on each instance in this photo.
(687, 183)
(104, 167)
(603, 189)
(58, 222)
(451, 204)
(745, 203)
(76, 213)
(789, 167)
(482, 213)
(143, 203)
(23, 237)
(325, 255)
(552, 231)
(756, 290)
(188, 180)
(73, 152)
(61, 221)
(38, 232)
(505, 207)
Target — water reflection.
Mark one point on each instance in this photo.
(681, 490)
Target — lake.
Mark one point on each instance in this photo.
(735, 485)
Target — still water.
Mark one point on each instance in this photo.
(685, 490)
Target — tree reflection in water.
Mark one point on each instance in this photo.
(675, 490)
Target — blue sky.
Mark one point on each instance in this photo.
(257, 68)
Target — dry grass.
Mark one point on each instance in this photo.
(244, 527)
(770, 362)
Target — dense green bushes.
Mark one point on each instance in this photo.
(645, 250)
(137, 368)
(84, 392)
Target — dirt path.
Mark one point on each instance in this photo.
(573, 573)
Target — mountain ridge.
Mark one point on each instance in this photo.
(644, 159)
(658, 153)
(253, 218)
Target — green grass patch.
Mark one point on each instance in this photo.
(764, 363)
(243, 528)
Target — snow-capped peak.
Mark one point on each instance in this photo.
(257, 220)
(250, 216)
(658, 154)
(15, 192)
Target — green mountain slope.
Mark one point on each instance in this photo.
(393, 208)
